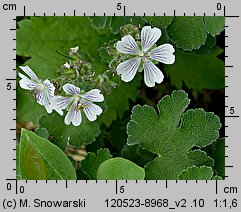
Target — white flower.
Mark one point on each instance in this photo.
(76, 102)
(144, 56)
(66, 65)
(43, 91)
(74, 50)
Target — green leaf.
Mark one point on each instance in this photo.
(92, 162)
(214, 24)
(99, 142)
(118, 21)
(28, 108)
(120, 169)
(219, 156)
(42, 132)
(188, 68)
(98, 22)
(41, 160)
(118, 135)
(118, 100)
(105, 57)
(137, 155)
(62, 134)
(196, 173)
(217, 178)
(207, 47)
(187, 32)
(200, 158)
(171, 134)
(161, 22)
(81, 175)
(40, 38)
(18, 173)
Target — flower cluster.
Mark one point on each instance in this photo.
(76, 100)
(137, 56)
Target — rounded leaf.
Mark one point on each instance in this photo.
(120, 169)
(187, 33)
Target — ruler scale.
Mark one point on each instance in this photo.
(126, 195)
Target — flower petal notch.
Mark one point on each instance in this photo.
(75, 102)
(149, 36)
(152, 74)
(128, 45)
(144, 57)
(43, 90)
(163, 54)
(128, 69)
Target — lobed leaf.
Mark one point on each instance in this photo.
(187, 32)
(214, 24)
(188, 68)
(171, 134)
(196, 173)
(162, 22)
(62, 134)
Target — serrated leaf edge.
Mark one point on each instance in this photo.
(191, 167)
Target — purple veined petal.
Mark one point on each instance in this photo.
(149, 36)
(152, 74)
(93, 95)
(43, 99)
(127, 69)
(163, 54)
(128, 45)
(91, 110)
(59, 103)
(29, 72)
(71, 89)
(50, 88)
(73, 115)
(27, 83)
(48, 107)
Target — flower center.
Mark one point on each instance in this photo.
(38, 90)
(80, 106)
(144, 57)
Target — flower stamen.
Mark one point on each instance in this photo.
(80, 106)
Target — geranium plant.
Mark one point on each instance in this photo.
(84, 111)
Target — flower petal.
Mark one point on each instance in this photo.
(93, 95)
(59, 103)
(128, 45)
(152, 74)
(71, 89)
(50, 87)
(149, 37)
(29, 72)
(42, 98)
(128, 69)
(73, 115)
(27, 83)
(91, 110)
(163, 54)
